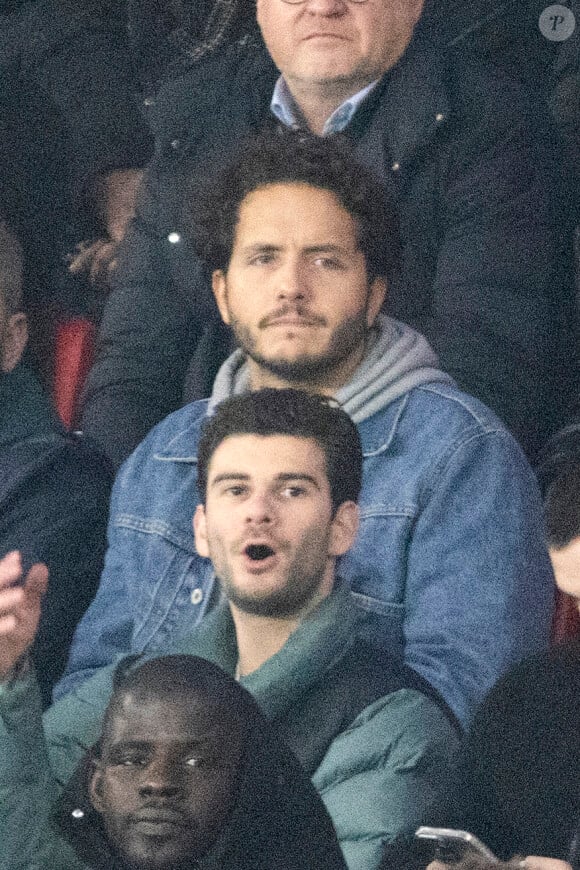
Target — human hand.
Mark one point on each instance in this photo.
(97, 259)
(19, 609)
(115, 199)
(470, 862)
(532, 862)
(536, 862)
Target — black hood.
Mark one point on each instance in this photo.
(278, 821)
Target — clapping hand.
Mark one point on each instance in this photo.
(20, 603)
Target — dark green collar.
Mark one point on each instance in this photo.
(301, 663)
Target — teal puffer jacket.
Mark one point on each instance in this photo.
(376, 778)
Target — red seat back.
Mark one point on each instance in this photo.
(73, 357)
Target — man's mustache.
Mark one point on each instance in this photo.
(292, 311)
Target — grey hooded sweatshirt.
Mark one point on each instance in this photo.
(397, 359)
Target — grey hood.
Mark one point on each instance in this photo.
(397, 359)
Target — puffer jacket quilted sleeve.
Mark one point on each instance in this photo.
(28, 787)
(379, 776)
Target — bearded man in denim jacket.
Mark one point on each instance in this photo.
(449, 560)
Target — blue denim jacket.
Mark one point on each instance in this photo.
(450, 558)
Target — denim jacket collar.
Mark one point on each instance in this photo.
(183, 446)
(376, 434)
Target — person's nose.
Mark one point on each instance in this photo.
(326, 7)
(160, 779)
(259, 509)
(292, 282)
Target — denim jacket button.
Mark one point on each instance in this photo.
(197, 596)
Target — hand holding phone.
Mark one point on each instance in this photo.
(452, 845)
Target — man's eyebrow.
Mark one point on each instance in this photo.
(321, 248)
(228, 475)
(202, 740)
(327, 248)
(287, 476)
(261, 248)
(283, 477)
(123, 745)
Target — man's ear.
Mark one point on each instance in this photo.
(343, 529)
(200, 531)
(96, 787)
(219, 287)
(14, 341)
(376, 297)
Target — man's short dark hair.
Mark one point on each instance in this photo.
(177, 678)
(559, 476)
(289, 157)
(295, 413)
(10, 270)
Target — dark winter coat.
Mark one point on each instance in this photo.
(519, 780)
(469, 159)
(70, 111)
(54, 497)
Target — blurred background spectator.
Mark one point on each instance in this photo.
(69, 92)
(54, 490)
(518, 783)
(559, 474)
(169, 36)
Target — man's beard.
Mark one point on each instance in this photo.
(279, 604)
(307, 368)
(304, 579)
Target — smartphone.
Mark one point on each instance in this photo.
(451, 845)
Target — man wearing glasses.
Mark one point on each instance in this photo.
(463, 150)
(332, 55)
